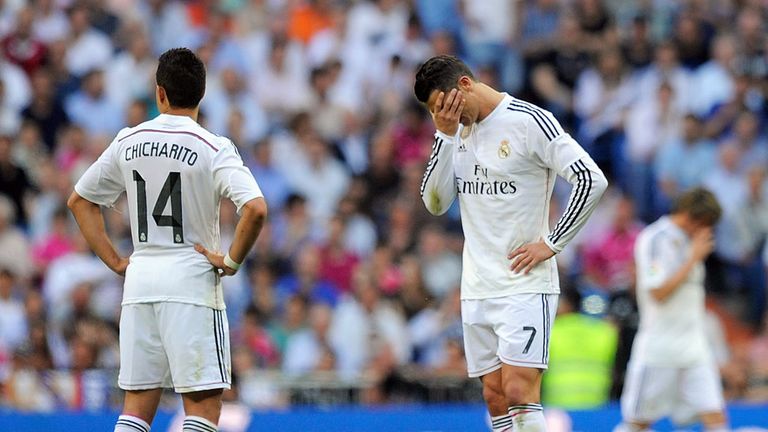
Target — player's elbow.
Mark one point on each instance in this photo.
(255, 210)
(600, 184)
(74, 201)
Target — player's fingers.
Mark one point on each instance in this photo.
(516, 252)
(439, 102)
(520, 264)
(456, 102)
(448, 102)
(530, 266)
(201, 249)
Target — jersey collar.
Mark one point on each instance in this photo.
(499, 108)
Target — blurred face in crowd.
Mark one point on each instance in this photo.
(80, 20)
(625, 214)
(93, 85)
(691, 128)
(6, 284)
(5, 150)
(746, 127)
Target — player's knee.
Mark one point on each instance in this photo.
(494, 397)
(516, 393)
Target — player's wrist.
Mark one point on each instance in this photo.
(229, 262)
(445, 136)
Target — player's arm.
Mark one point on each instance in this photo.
(234, 181)
(91, 222)
(100, 185)
(438, 187)
(253, 214)
(701, 246)
(557, 150)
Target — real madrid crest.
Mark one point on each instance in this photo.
(504, 149)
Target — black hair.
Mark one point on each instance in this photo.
(439, 73)
(182, 75)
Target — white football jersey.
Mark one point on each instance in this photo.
(672, 332)
(503, 170)
(174, 173)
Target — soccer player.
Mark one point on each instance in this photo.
(671, 369)
(173, 329)
(500, 156)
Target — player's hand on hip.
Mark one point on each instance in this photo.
(216, 260)
(447, 111)
(702, 244)
(529, 256)
(120, 266)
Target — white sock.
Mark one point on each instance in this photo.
(198, 424)
(502, 423)
(129, 423)
(528, 418)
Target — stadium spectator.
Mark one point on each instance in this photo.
(322, 113)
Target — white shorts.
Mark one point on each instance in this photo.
(513, 330)
(653, 392)
(174, 345)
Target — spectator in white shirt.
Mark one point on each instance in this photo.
(13, 321)
(88, 48)
(91, 109)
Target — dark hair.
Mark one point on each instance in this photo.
(700, 204)
(439, 73)
(182, 75)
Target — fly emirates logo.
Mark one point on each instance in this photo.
(481, 184)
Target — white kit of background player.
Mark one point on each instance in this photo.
(173, 326)
(502, 166)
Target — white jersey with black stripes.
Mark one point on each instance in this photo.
(174, 173)
(503, 171)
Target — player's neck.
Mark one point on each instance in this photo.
(489, 100)
(184, 112)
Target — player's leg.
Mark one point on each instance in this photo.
(649, 394)
(199, 359)
(522, 390)
(480, 347)
(523, 323)
(143, 367)
(701, 390)
(202, 409)
(139, 410)
(493, 394)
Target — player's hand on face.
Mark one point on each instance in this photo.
(447, 111)
(702, 244)
(529, 256)
(216, 260)
(121, 266)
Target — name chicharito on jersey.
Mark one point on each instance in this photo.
(483, 185)
(157, 149)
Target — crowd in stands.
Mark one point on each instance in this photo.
(351, 278)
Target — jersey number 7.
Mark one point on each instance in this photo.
(171, 190)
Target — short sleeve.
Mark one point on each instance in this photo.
(549, 143)
(102, 183)
(661, 259)
(232, 178)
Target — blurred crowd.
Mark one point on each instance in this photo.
(351, 279)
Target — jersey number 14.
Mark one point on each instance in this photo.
(171, 191)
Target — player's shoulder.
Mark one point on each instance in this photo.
(521, 113)
(655, 234)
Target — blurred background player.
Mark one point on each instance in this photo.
(502, 163)
(173, 330)
(672, 370)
